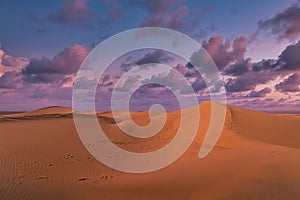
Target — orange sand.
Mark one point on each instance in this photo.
(256, 157)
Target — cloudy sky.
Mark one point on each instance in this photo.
(255, 45)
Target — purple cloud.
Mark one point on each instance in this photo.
(150, 94)
(238, 68)
(290, 57)
(112, 9)
(72, 12)
(166, 18)
(284, 25)
(225, 52)
(10, 80)
(75, 12)
(267, 104)
(249, 80)
(181, 69)
(260, 93)
(47, 70)
(156, 56)
(290, 84)
(11, 63)
(158, 6)
(265, 65)
(171, 14)
(199, 84)
(249, 75)
(239, 85)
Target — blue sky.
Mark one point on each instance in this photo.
(27, 31)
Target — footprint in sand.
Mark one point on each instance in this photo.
(83, 179)
(90, 159)
(43, 178)
(106, 177)
(19, 183)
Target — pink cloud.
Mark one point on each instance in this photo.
(225, 52)
(11, 63)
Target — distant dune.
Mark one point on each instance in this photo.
(52, 110)
(256, 157)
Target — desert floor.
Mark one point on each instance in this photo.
(256, 157)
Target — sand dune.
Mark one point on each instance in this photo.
(256, 157)
(275, 129)
(49, 112)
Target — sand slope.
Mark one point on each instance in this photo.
(256, 157)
